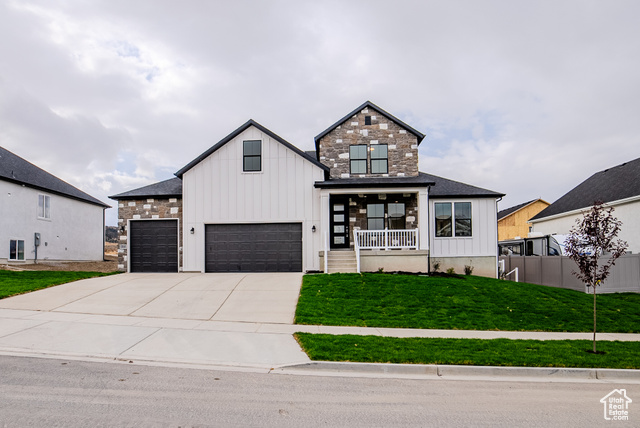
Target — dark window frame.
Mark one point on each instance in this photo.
(394, 219)
(379, 161)
(457, 224)
(375, 218)
(357, 161)
(252, 156)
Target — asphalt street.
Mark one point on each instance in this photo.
(70, 393)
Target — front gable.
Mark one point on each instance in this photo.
(234, 135)
(349, 146)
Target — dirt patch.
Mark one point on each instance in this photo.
(110, 264)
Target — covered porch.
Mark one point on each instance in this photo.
(368, 229)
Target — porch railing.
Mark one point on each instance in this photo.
(386, 239)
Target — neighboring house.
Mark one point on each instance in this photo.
(514, 222)
(255, 202)
(618, 187)
(45, 218)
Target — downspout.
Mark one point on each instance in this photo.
(428, 233)
(497, 252)
(104, 234)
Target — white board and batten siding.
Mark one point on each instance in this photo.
(484, 229)
(218, 191)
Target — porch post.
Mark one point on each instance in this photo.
(423, 218)
(324, 224)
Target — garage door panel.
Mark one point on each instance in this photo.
(153, 246)
(264, 247)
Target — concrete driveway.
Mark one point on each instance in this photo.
(237, 297)
(238, 320)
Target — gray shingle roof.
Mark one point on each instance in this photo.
(440, 187)
(612, 184)
(505, 212)
(445, 188)
(167, 189)
(237, 132)
(15, 169)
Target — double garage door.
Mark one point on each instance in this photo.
(263, 247)
(153, 246)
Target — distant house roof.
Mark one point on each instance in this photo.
(445, 188)
(237, 132)
(368, 104)
(612, 184)
(503, 213)
(164, 189)
(15, 169)
(440, 187)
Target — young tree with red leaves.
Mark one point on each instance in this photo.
(592, 244)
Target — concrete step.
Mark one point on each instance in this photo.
(342, 262)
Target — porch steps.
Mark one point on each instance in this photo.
(342, 261)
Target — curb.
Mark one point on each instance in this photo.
(453, 371)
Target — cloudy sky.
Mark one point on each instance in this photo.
(525, 98)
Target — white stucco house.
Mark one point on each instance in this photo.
(45, 218)
(618, 187)
(255, 202)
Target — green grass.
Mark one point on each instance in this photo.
(494, 352)
(465, 303)
(13, 283)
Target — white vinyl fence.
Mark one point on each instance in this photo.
(556, 271)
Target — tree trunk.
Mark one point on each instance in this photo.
(594, 318)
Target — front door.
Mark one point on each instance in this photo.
(339, 225)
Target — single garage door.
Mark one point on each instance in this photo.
(153, 246)
(264, 247)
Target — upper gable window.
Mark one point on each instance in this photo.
(44, 206)
(379, 159)
(358, 159)
(367, 120)
(252, 155)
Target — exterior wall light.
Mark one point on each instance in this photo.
(193, 230)
(313, 228)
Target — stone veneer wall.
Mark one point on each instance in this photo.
(148, 208)
(402, 145)
(358, 209)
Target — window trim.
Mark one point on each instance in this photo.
(452, 219)
(17, 250)
(44, 211)
(245, 156)
(351, 159)
(385, 159)
(384, 211)
(391, 218)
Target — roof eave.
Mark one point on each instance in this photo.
(237, 132)
(54, 192)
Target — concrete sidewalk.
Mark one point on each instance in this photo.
(261, 346)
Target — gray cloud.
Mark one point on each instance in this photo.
(526, 98)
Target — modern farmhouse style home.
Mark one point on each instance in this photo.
(255, 202)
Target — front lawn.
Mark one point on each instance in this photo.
(494, 352)
(464, 303)
(12, 283)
